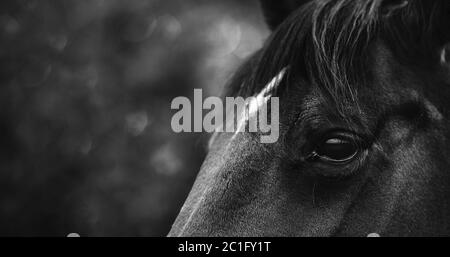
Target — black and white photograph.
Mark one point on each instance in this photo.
(225, 119)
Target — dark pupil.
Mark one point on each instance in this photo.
(337, 149)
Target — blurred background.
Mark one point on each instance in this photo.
(86, 144)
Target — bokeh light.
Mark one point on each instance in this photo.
(86, 87)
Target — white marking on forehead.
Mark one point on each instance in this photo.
(274, 82)
(257, 102)
(252, 107)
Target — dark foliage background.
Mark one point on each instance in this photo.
(85, 92)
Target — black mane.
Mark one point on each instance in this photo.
(328, 41)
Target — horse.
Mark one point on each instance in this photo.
(364, 140)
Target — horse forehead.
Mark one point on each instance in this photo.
(389, 72)
(383, 58)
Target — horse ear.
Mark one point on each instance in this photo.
(275, 12)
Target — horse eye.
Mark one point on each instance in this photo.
(336, 150)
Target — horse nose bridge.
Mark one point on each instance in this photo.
(191, 219)
(196, 217)
(225, 186)
(210, 206)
